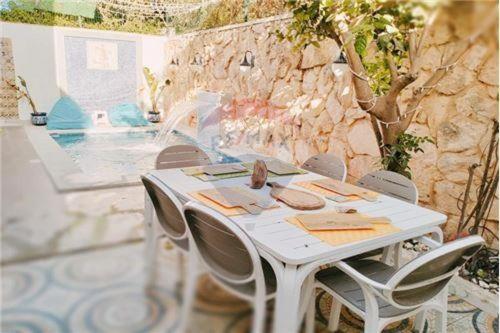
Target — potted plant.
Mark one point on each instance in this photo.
(155, 90)
(37, 118)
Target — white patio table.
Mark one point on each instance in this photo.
(299, 252)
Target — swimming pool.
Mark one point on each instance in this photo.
(123, 153)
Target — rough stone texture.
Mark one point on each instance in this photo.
(362, 139)
(309, 111)
(489, 72)
(458, 78)
(459, 134)
(317, 56)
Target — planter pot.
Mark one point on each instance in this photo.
(39, 119)
(154, 117)
(475, 295)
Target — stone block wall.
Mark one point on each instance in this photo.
(309, 111)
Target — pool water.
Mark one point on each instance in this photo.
(124, 153)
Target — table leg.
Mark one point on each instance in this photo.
(286, 317)
(150, 238)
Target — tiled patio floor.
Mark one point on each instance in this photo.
(105, 291)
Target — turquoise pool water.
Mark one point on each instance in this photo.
(124, 153)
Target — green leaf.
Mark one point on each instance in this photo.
(22, 81)
(360, 44)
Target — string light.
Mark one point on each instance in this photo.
(373, 100)
(148, 9)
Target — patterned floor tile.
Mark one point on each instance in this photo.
(106, 291)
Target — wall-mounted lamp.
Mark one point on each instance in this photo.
(340, 65)
(197, 60)
(248, 61)
(175, 62)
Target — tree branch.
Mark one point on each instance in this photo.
(378, 134)
(399, 84)
(418, 47)
(364, 93)
(392, 67)
(412, 50)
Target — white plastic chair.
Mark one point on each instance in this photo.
(394, 185)
(170, 222)
(181, 156)
(390, 183)
(178, 156)
(382, 294)
(327, 165)
(231, 259)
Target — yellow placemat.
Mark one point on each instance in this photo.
(317, 189)
(221, 209)
(340, 237)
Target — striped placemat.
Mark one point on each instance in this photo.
(340, 237)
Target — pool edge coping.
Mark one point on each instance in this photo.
(60, 166)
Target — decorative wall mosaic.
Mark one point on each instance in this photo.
(100, 73)
(8, 99)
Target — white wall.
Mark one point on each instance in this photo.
(34, 59)
(39, 58)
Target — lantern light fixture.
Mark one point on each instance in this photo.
(340, 65)
(248, 61)
(197, 60)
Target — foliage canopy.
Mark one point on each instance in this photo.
(378, 27)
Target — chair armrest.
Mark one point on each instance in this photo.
(431, 243)
(360, 278)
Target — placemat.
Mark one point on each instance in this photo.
(221, 209)
(340, 237)
(282, 168)
(191, 171)
(314, 188)
(346, 189)
(333, 220)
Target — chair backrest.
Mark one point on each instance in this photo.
(225, 249)
(167, 207)
(390, 183)
(327, 165)
(424, 277)
(181, 156)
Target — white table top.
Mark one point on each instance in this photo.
(295, 246)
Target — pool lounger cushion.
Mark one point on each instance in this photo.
(67, 114)
(126, 115)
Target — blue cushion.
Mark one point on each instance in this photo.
(67, 114)
(126, 115)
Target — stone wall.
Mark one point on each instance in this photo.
(309, 111)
